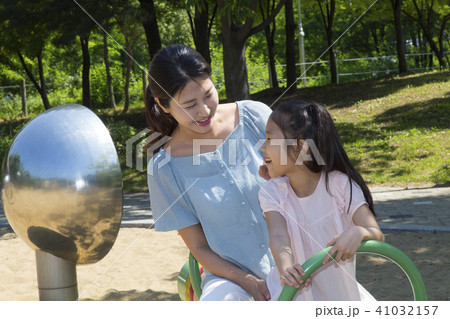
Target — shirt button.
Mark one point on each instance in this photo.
(243, 203)
(252, 224)
(224, 175)
(231, 182)
(222, 166)
(263, 246)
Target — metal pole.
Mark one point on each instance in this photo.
(301, 36)
(57, 278)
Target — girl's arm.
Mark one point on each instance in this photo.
(347, 243)
(195, 240)
(280, 245)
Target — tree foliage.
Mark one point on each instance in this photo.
(59, 45)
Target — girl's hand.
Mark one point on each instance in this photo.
(291, 276)
(264, 172)
(346, 244)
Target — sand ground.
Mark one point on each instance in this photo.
(144, 265)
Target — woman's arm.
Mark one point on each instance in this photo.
(195, 240)
(347, 243)
(280, 245)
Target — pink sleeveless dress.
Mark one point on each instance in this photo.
(312, 221)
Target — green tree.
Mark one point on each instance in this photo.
(237, 19)
(150, 25)
(201, 23)
(25, 34)
(109, 82)
(400, 43)
(432, 16)
(76, 21)
(327, 11)
(266, 7)
(290, 26)
(127, 18)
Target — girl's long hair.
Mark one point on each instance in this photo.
(310, 121)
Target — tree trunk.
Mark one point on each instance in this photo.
(397, 8)
(42, 93)
(328, 19)
(291, 76)
(331, 51)
(112, 100)
(423, 58)
(416, 45)
(430, 61)
(433, 46)
(270, 43)
(441, 41)
(150, 25)
(201, 28)
(234, 67)
(233, 41)
(438, 53)
(270, 33)
(84, 40)
(333, 62)
(127, 76)
(365, 44)
(373, 31)
(426, 23)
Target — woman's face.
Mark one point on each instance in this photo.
(194, 106)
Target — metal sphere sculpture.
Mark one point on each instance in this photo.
(62, 192)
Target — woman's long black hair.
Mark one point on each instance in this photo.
(170, 70)
(302, 121)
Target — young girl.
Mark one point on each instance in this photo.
(314, 199)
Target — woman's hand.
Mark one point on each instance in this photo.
(292, 276)
(195, 240)
(257, 288)
(264, 172)
(346, 244)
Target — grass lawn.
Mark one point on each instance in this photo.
(396, 130)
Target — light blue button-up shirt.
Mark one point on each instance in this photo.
(219, 190)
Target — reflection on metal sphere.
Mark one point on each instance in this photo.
(63, 185)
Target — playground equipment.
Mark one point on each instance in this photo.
(62, 194)
(190, 274)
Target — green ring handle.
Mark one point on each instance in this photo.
(194, 274)
(369, 246)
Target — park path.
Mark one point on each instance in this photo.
(417, 209)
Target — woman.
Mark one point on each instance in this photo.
(203, 182)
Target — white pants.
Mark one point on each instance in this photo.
(220, 289)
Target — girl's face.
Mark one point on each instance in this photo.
(194, 106)
(275, 152)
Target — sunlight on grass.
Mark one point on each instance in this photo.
(402, 137)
